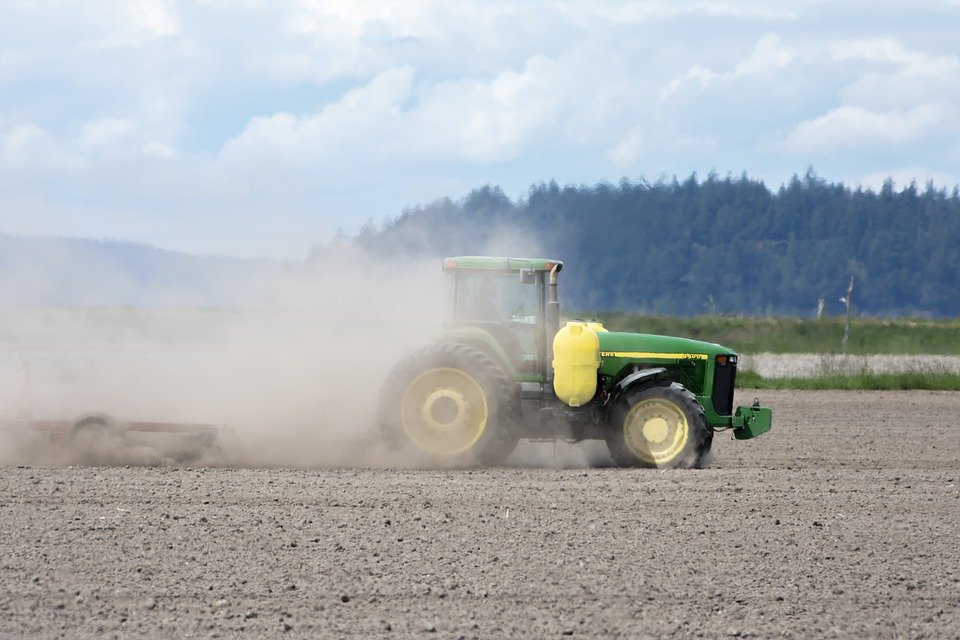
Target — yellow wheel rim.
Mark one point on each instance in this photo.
(444, 411)
(656, 430)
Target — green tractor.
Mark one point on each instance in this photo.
(505, 369)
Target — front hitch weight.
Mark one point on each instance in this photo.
(751, 421)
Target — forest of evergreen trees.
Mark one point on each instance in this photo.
(718, 245)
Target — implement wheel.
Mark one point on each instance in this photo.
(95, 438)
(660, 425)
(451, 402)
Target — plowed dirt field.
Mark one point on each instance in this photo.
(844, 521)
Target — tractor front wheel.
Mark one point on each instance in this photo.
(451, 402)
(660, 425)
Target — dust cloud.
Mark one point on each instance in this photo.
(293, 376)
(288, 373)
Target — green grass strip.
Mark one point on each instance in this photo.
(796, 335)
(861, 381)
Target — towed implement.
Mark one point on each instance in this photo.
(506, 370)
(92, 434)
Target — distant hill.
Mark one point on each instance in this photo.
(717, 245)
(68, 271)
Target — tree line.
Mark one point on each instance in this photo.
(714, 245)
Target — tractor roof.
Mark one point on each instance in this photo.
(500, 264)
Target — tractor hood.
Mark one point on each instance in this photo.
(614, 344)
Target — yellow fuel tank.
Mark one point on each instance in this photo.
(576, 358)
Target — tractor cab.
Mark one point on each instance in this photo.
(500, 305)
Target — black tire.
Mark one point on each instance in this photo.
(94, 437)
(450, 402)
(660, 425)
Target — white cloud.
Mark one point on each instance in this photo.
(28, 147)
(360, 123)
(347, 19)
(893, 51)
(639, 12)
(628, 150)
(482, 122)
(918, 76)
(768, 54)
(850, 127)
(105, 132)
(156, 149)
(155, 17)
(18, 143)
(129, 23)
(326, 40)
(391, 119)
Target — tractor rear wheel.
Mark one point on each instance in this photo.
(451, 402)
(660, 425)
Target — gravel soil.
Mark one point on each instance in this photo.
(841, 522)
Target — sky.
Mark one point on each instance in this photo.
(262, 127)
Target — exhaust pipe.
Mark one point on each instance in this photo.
(552, 319)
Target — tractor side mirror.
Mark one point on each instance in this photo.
(528, 276)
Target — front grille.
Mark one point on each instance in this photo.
(724, 378)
